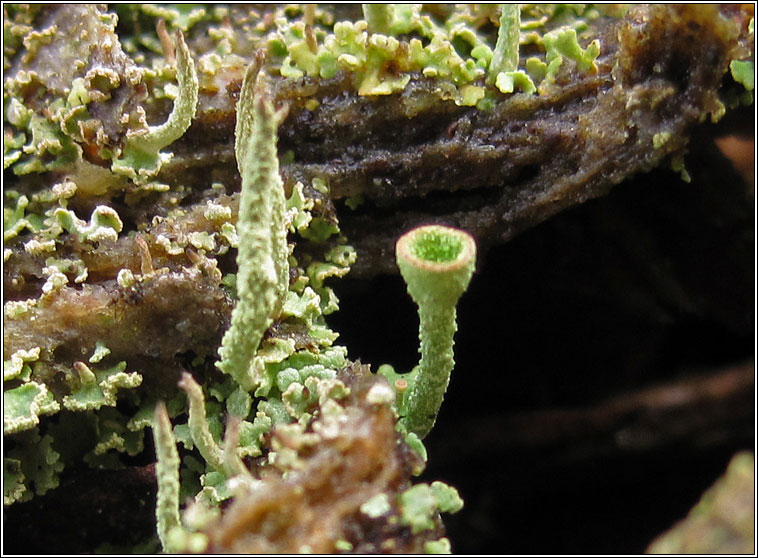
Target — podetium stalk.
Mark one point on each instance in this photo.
(436, 263)
(167, 472)
(263, 275)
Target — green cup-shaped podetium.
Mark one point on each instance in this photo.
(436, 263)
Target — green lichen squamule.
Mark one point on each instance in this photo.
(436, 263)
(185, 105)
(263, 274)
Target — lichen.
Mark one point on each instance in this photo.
(104, 224)
(743, 72)
(167, 472)
(141, 157)
(722, 521)
(17, 366)
(30, 468)
(95, 389)
(23, 405)
(262, 257)
(421, 502)
(455, 52)
(126, 245)
(436, 263)
(296, 389)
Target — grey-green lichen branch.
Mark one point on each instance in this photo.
(505, 57)
(167, 473)
(379, 17)
(436, 263)
(141, 157)
(198, 423)
(224, 460)
(262, 279)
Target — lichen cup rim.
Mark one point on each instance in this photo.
(405, 248)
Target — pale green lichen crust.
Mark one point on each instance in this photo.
(436, 263)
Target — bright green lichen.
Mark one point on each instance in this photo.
(505, 57)
(564, 43)
(436, 263)
(420, 504)
(508, 82)
(366, 56)
(440, 546)
(447, 497)
(743, 72)
(379, 17)
(453, 51)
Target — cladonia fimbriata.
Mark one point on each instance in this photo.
(436, 263)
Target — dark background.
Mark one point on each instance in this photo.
(651, 287)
